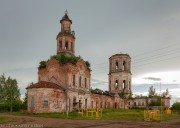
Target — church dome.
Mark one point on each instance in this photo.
(65, 17)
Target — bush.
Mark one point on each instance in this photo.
(42, 64)
(6, 107)
(64, 59)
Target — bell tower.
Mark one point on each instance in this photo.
(66, 37)
(120, 73)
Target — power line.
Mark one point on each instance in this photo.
(159, 49)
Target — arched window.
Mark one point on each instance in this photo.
(116, 84)
(80, 81)
(60, 44)
(66, 45)
(124, 84)
(74, 99)
(85, 83)
(74, 79)
(116, 65)
(45, 102)
(124, 63)
(71, 45)
(85, 103)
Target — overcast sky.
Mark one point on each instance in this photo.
(148, 30)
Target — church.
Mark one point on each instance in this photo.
(64, 81)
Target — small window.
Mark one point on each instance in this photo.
(124, 84)
(74, 79)
(85, 82)
(71, 45)
(60, 44)
(66, 45)
(142, 103)
(74, 99)
(80, 81)
(85, 103)
(124, 63)
(116, 65)
(45, 103)
(116, 84)
(80, 67)
(32, 102)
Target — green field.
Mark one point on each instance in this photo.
(107, 114)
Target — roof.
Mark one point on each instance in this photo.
(44, 84)
(120, 54)
(65, 17)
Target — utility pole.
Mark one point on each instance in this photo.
(160, 96)
(11, 97)
(67, 99)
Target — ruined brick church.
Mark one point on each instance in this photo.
(64, 81)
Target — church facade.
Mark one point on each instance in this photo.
(64, 81)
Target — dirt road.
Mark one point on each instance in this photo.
(41, 122)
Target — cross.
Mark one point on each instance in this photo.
(66, 12)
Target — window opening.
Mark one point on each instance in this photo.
(74, 77)
(66, 45)
(60, 44)
(80, 81)
(85, 82)
(85, 103)
(116, 65)
(116, 84)
(45, 103)
(71, 45)
(124, 63)
(74, 99)
(124, 84)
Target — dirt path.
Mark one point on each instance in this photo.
(41, 122)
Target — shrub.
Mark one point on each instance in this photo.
(64, 59)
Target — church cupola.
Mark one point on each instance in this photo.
(66, 37)
(65, 23)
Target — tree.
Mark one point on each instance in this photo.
(156, 101)
(152, 92)
(9, 92)
(166, 94)
(176, 106)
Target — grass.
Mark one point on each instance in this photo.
(5, 120)
(107, 114)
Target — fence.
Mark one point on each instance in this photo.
(151, 115)
(92, 113)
